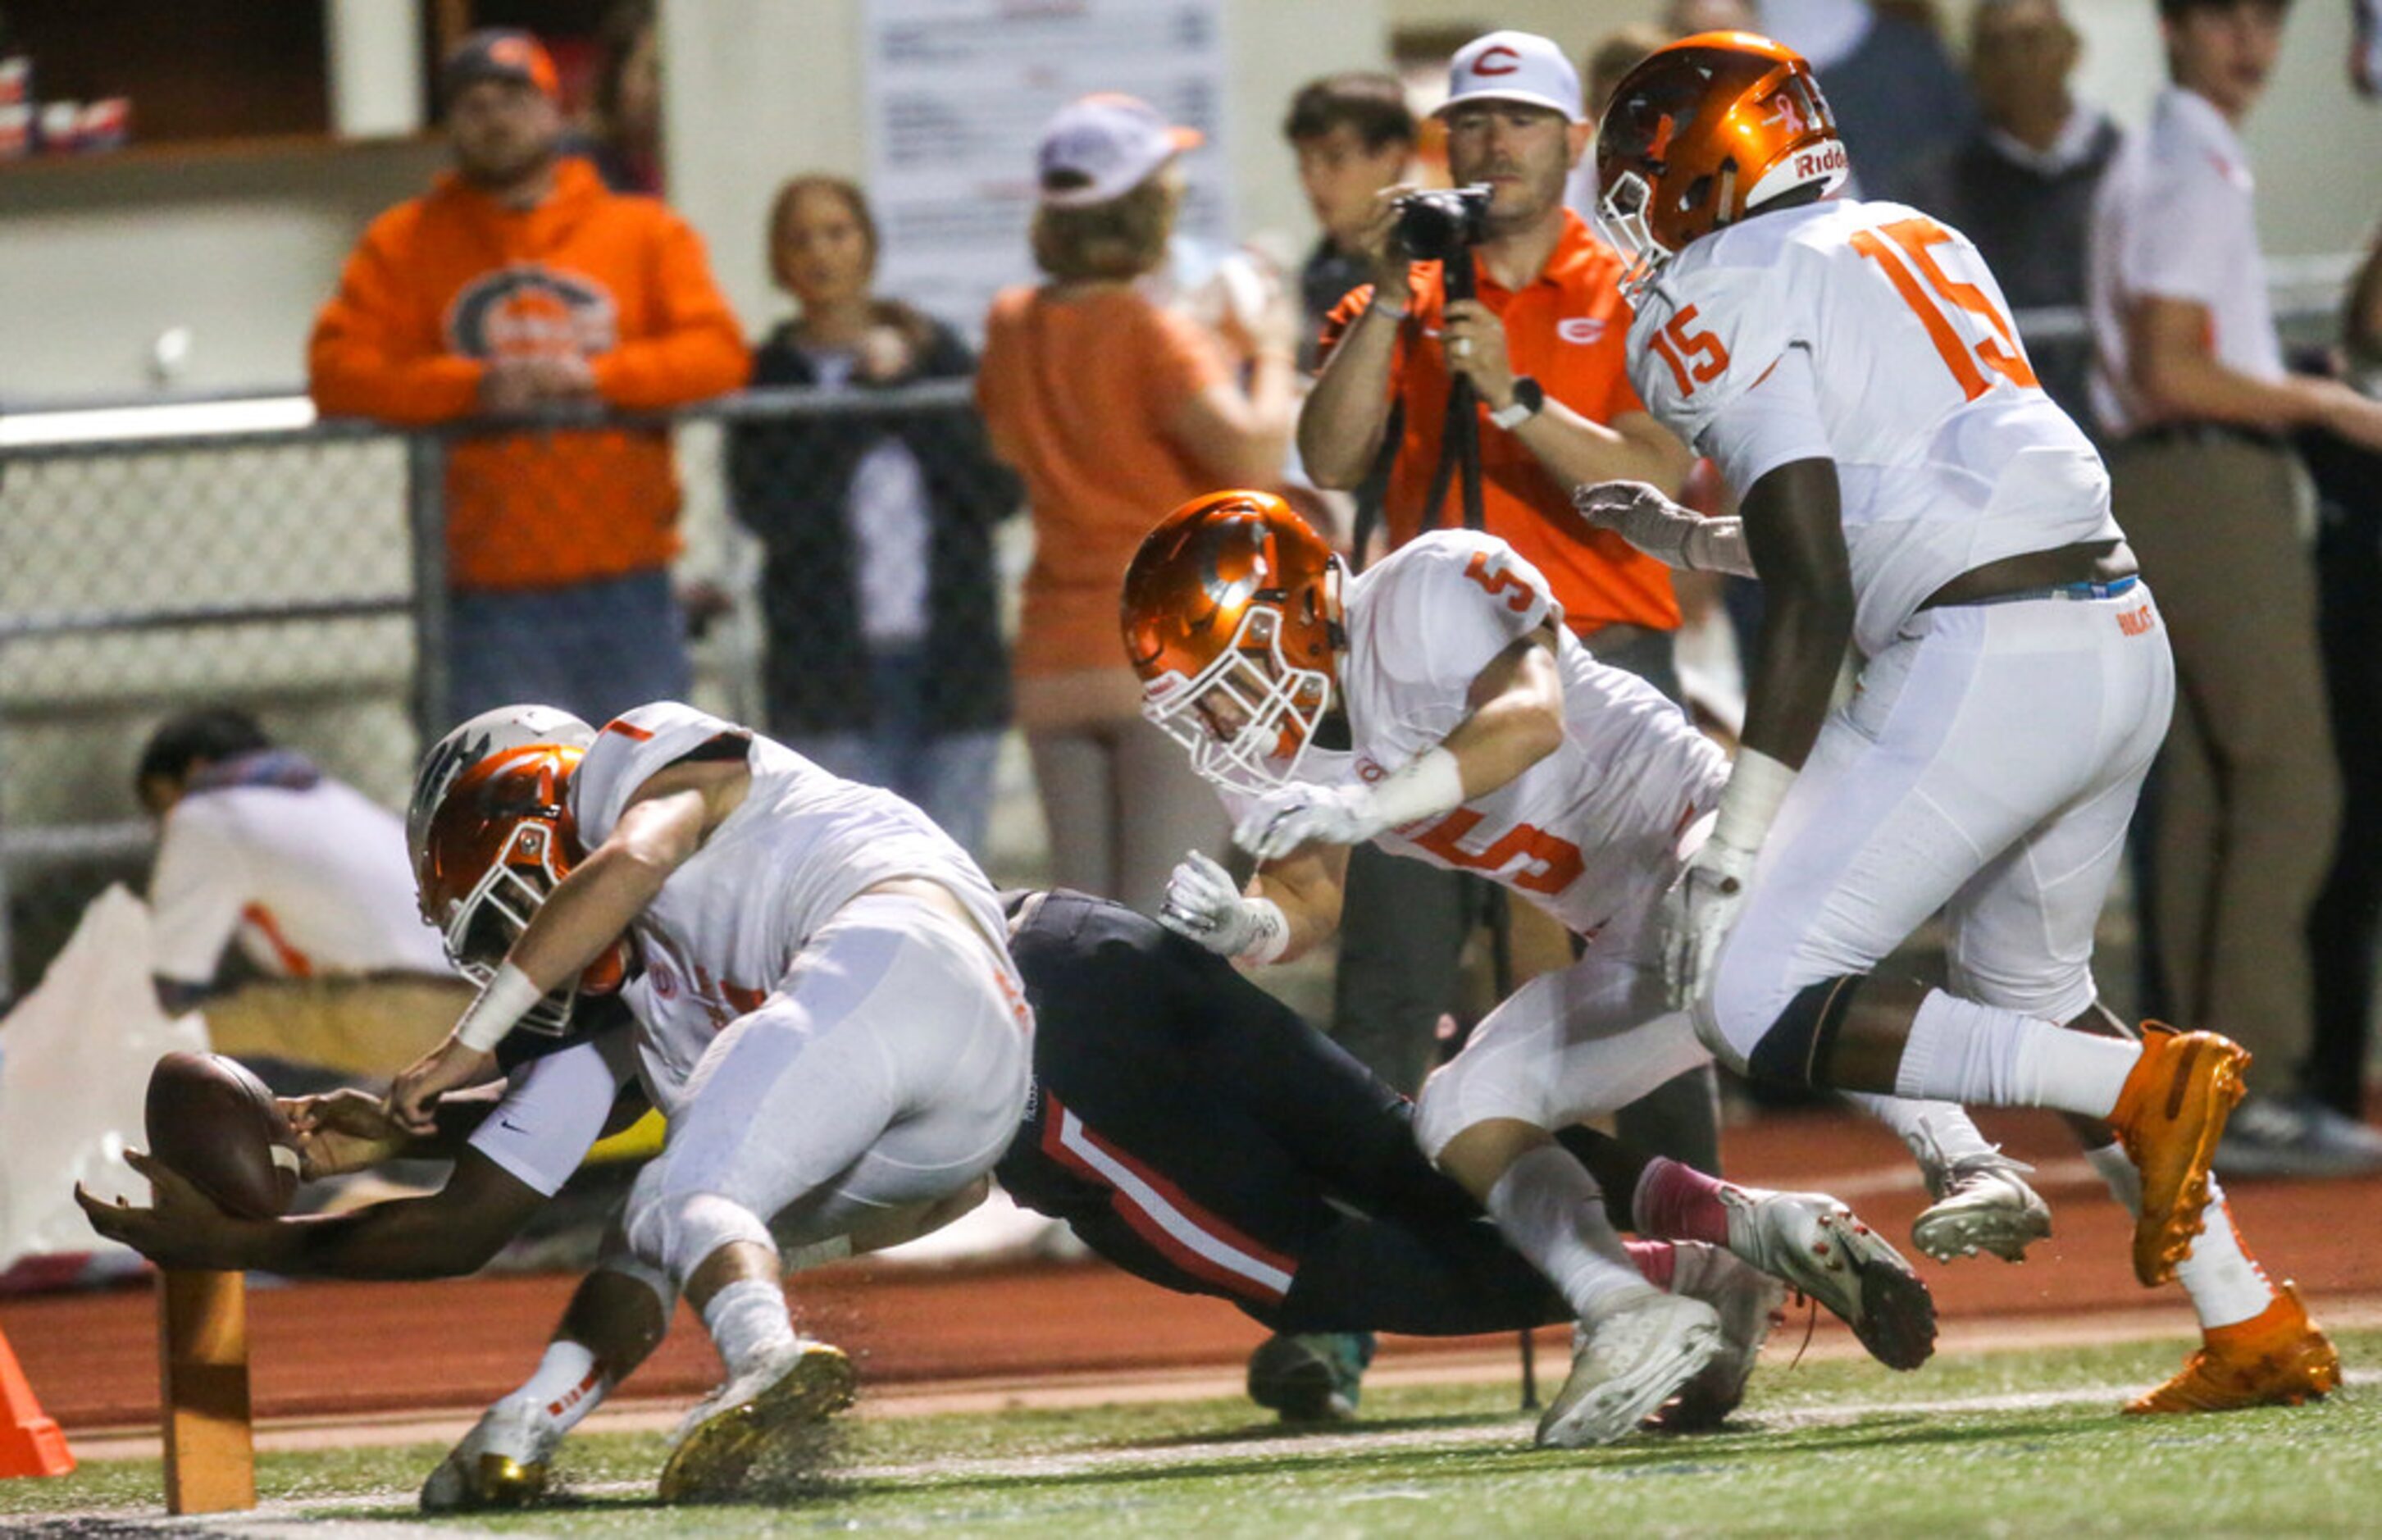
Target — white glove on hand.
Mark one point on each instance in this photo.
(1697, 915)
(1291, 816)
(1204, 905)
(1677, 537)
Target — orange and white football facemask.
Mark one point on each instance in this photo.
(1247, 718)
(1231, 615)
(496, 847)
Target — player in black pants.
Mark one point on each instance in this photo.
(1194, 1131)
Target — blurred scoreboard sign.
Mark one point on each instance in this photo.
(957, 93)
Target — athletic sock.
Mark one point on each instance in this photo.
(2223, 1280)
(1548, 1208)
(569, 1383)
(747, 1319)
(1657, 1260)
(1678, 1202)
(1932, 1131)
(1963, 1052)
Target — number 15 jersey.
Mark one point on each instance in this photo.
(1868, 334)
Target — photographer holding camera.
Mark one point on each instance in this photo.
(1539, 342)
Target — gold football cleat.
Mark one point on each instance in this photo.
(2277, 1358)
(2169, 1117)
(727, 1433)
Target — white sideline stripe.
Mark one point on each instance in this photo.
(284, 1516)
(1174, 1221)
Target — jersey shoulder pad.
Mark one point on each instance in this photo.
(628, 751)
(1711, 326)
(1440, 608)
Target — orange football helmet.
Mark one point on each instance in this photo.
(1703, 132)
(1232, 612)
(498, 843)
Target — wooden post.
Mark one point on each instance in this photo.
(202, 1359)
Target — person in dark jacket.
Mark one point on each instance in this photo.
(884, 660)
(2021, 185)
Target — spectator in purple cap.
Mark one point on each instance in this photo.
(1113, 408)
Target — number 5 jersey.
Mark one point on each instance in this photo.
(1588, 833)
(1868, 334)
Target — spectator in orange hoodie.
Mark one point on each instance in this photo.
(518, 282)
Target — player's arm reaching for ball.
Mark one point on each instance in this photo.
(444, 1234)
(661, 828)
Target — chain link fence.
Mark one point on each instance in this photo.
(846, 555)
(850, 565)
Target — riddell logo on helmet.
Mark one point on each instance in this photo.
(1820, 162)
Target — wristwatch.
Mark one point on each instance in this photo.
(1528, 400)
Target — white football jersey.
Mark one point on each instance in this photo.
(725, 930)
(311, 880)
(1587, 833)
(1896, 359)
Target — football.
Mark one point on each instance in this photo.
(218, 1126)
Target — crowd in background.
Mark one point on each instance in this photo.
(1112, 390)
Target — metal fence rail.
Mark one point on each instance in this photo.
(303, 572)
(299, 572)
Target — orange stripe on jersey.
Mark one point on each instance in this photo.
(294, 963)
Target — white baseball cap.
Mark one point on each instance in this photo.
(1103, 146)
(1514, 66)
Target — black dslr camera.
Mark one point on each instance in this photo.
(1444, 223)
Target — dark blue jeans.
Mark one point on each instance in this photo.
(594, 649)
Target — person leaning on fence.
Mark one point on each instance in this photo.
(1109, 405)
(2189, 386)
(1542, 345)
(308, 876)
(518, 282)
(884, 660)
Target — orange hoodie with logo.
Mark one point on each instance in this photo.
(443, 284)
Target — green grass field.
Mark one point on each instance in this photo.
(2004, 1444)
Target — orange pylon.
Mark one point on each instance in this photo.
(31, 1444)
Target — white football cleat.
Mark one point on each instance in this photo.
(1982, 1204)
(1819, 1248)
(500, 1463)
(717, 1446)
(1630, 1361)
(1748, 1302)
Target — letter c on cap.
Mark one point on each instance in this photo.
(1500, 60)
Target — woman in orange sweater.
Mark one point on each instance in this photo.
(1114, 408)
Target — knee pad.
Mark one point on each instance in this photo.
(675, 1231)
(1796, 1048)
(616, 1257)
(1462, 1093)
(1436, 1119)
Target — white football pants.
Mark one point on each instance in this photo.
(1987, 765)
(890, 1068)
(1569, 1044)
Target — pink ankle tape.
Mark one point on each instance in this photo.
(1678, 1202)
(1656, 1258)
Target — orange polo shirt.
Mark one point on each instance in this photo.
(1569, 330)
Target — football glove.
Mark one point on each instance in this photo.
(1204, 905)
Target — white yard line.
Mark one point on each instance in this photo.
(285, 1520)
